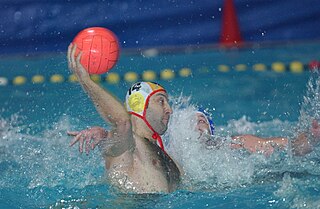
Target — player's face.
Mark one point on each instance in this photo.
(202, 124)
(158, 112)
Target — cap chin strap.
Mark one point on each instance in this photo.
(155, 135)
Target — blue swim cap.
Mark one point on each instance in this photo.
(207, 116)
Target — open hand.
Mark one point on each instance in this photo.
(89, 138)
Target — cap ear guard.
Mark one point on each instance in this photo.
(136, 102)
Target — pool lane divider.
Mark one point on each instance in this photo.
(165, 74)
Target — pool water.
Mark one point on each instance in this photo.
(39, 170)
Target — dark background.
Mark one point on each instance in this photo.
(34, 26)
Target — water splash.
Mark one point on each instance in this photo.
(204, 168)
(310, 110)
(217, 169)
(244, 125)
(300, 184)
(298, 193)
(45, 159)
(310, 107)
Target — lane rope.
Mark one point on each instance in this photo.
(295, 67)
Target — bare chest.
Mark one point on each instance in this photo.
(147, 174)
(158, 168)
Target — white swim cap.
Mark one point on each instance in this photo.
(137, 100)
(138, 96)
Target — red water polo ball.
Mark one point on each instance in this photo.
(100, 49)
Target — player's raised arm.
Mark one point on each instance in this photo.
(108, 106)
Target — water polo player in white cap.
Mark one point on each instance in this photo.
(133, 151)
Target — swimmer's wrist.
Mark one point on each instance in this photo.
(281, 143)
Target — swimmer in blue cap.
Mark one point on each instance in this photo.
(204, 122)
(302, 145)
(205, 127)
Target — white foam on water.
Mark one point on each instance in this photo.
(310, 107)
(45, 159)
(204, 168)
(301, 193)
(297, 193)
(225, 167)
(310, 110)
(273, 128)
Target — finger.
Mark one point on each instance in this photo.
(81, 144)
(75, 140)
(73, 133)
(69, 55)
(72, 57)
(80, 68)
(78, 59)
(88, 139)
(95, 143)
(69, 50)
